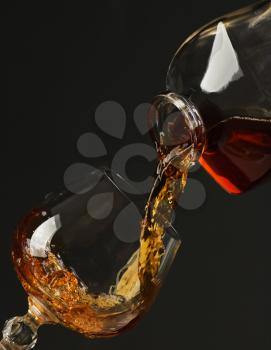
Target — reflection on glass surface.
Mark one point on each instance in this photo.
(42, 236)
(223, 66)
(78, 258)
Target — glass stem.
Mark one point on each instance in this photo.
(20, 333)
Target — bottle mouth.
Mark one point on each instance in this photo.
(176, 126)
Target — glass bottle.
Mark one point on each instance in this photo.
(219, 98)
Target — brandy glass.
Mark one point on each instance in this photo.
(78, 258)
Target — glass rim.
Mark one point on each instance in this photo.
(170, 229)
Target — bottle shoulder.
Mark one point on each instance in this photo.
(227, 61)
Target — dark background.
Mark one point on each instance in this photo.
(65, 59)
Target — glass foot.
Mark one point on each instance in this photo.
(19, 333)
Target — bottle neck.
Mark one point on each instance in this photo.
(175, 124)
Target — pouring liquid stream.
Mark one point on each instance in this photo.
(169, 184)
(137, 282)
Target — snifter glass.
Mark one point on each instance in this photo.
(77, 257)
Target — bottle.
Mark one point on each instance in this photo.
(218, 99)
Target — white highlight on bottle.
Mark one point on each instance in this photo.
(223, 66)
(41, 238)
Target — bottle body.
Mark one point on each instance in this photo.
(223, 70)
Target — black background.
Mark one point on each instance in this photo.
(65, 59)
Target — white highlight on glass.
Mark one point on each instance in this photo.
(41, 238)
(223, 66)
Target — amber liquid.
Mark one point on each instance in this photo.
(238, 152)
(168, 187)
(63, 293)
